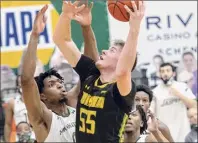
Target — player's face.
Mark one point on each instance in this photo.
(134, 122)
(142, 98)
(54, 90)
(166, 72)
(188, 61)
(109, 58)
(23, 128)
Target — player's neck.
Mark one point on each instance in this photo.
(60, 109)
(131, 136)
(107, 76)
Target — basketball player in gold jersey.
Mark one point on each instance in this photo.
(106, 87)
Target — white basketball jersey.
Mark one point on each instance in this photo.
(142, 138)
(20, 111)
(63, 128)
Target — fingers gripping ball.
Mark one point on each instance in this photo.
(117, 10)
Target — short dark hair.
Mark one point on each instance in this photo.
(121, 43)
(143, 117)
(187, 53)
(145, 89)
(22, 122)
(39, 79)
(168, 64)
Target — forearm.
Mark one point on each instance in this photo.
(62, 38)
(63, 29)
(190, 103)
(7, 132)
(166, 133)
(128, 54)
(90, 44)
(159, 136)
(29, 60)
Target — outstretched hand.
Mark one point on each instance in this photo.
(137, 15)
(71, 9)
(40, 21)
(84, 17)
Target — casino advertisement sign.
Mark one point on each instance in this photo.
(16, 24)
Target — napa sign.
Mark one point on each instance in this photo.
(17, 19)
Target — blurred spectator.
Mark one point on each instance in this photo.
(24, 133)
(171, 101)
(187, 78)
(192, 135)
(187, 68)
(64, 69)
(189, 63)
(153, 72)
(15, 113)
(137, 77)
(2, 121)
(8, 83)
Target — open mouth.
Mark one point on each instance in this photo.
(63, 100)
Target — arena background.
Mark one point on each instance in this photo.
(168, 29)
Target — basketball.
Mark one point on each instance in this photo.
(117, 10)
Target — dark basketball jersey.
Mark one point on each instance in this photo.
(101, 111)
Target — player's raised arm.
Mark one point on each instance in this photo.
(29, 87)
(84, 18)
(128, 54)
(62, 35)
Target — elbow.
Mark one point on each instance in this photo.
(122, 73)
(25, 79)
(7, 125)
(56, 39)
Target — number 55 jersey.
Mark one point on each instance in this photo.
(101, 111)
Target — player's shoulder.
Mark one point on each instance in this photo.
(157, 88)
(71, 110)
(178, 83)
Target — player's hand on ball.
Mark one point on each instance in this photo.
(70, 9)
(137, 15)
(40, 21)
(84, 17)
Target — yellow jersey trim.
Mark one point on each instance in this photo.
(103, 85)
(125, 118)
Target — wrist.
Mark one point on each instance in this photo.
(134, 30)
(85, 26)
(156, 131)
(34, 34)
(66, 15)
(34, 37)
